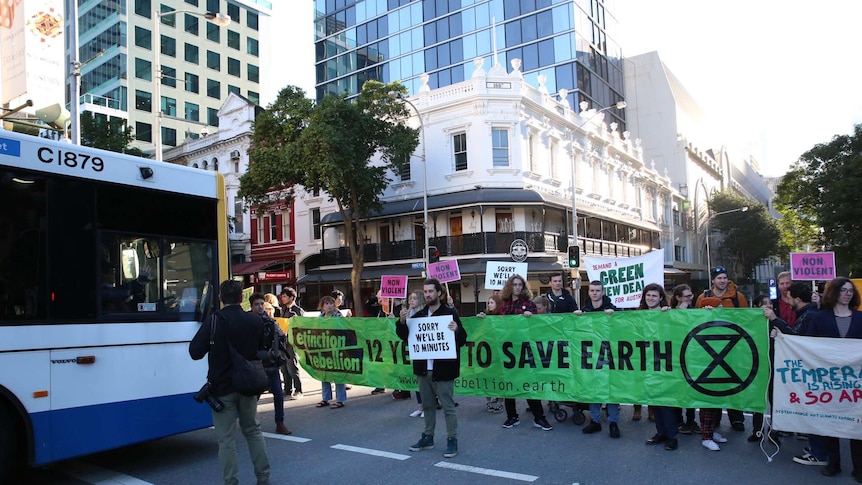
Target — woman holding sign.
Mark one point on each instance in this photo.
(328, 308)
(839, 318)
(654, 298)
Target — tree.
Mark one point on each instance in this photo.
(824, 189)
(750, 236)
(108, 134)
(329, 146)
(798, 223)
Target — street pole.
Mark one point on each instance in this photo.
(75, 71)
(397, 95)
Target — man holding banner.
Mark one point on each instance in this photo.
(436, 377)
(561, 301)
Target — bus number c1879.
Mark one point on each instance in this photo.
(70, 159)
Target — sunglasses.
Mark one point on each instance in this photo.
(688, 296)
(719, 269)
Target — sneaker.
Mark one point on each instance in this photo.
(593, 427)
(684, 428)
(830, 470)
(495, 407)
(809, 459)
(614, 430)
(451, 447)
(711, 445)
(542, 423)
(378, 390)
(807, 449)
(417, 413)
(672, 444)
(718, 438)
(425, 443)
(695, 428)
(511, 423)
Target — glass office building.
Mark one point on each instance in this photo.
(569, 41)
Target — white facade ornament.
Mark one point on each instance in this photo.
(626, 135)
(425, 88)
(542, 80)
(614, 126)
(516, 68)
(479, 72)
(584, 105)
(564, 97)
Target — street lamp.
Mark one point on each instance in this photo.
(618, 105)
(708, 219)
(219, 19)
(397, 95)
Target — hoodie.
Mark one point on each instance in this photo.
(731, 298)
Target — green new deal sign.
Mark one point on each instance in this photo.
(686, 358)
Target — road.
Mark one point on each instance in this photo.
(366, 443)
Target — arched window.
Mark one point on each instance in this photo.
(195, 165)
(205, 165)
(215, 164)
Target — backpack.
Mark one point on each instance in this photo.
(247, 376)
(735, 298)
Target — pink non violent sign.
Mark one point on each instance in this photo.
(444, 271)
(812, 266)
(393, 286)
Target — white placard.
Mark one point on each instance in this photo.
(497, 272)
(430, 338)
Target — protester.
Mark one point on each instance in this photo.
(290, 369)
(492, 404)
(559, 298)
(374, 309)
(516, 298)
(244, 332)
(415, 302)
(599, 302)
(265, 310)
(839, 318)
(683, 298)
(329, 309)
(724, 293)
(783, 305)
(436, 377)
(654, 298)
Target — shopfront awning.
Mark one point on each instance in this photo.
(368, 273)
(250, 267)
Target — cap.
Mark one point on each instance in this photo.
(717, 271)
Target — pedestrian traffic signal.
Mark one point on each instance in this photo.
(433, 254)
(574, 256)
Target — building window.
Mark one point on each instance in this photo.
(169, 136)
(273, 227)
(169, 106)
(213, 88)
(251, 20)
(192, 112)
(192, 83)
(169, 20)
(192, 54)
(285, 225)
(213, 6)
(143, 100)
(212, 116)
(404, 170)
(143, 38)
(143, 131)
(233, 39)
(233, 89)
(169, 76)
(233, 11)
(254, 97)
(554, 165)
(233, 67)
(259, 229)
(677, 218)
(144, 8)
(459, 143)
(192, 2)
(679, 253)
(213, 60)
(531, 153)
(143, 69)
(215, 164)
(191, 24)
(252, 47)
(169, 46)
(253, 73)
(315, 223)
(213, 32)
(500, 143)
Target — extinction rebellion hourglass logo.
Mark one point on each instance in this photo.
(719, 358)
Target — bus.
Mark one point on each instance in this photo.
(108, 264)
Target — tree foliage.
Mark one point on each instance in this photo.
(108, 134)
(750, 236)
(798, 223)
(824, 188)
(338, 146)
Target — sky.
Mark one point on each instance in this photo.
(776, 78)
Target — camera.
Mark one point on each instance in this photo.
(205, 394)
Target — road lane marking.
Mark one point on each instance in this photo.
(369, 451)
(98, 475)
(295, 439)
(487, 471)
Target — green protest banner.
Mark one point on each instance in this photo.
(690, 358)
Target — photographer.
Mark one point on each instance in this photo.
(231, 326)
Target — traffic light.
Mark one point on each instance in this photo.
(574, 256)
(433, 254)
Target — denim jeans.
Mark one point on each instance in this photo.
(596, 413)
(445, 392)
(665, 420)
(817, 447)
(244, 407)
(277, 394)
(340, 392)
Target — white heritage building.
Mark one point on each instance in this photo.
(501, 156)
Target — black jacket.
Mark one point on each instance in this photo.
(606, 305)
(245, 331)
(565, 303)
(444, 369)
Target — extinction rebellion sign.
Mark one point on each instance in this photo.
(687, 358)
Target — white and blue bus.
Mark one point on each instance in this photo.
(107, 264)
